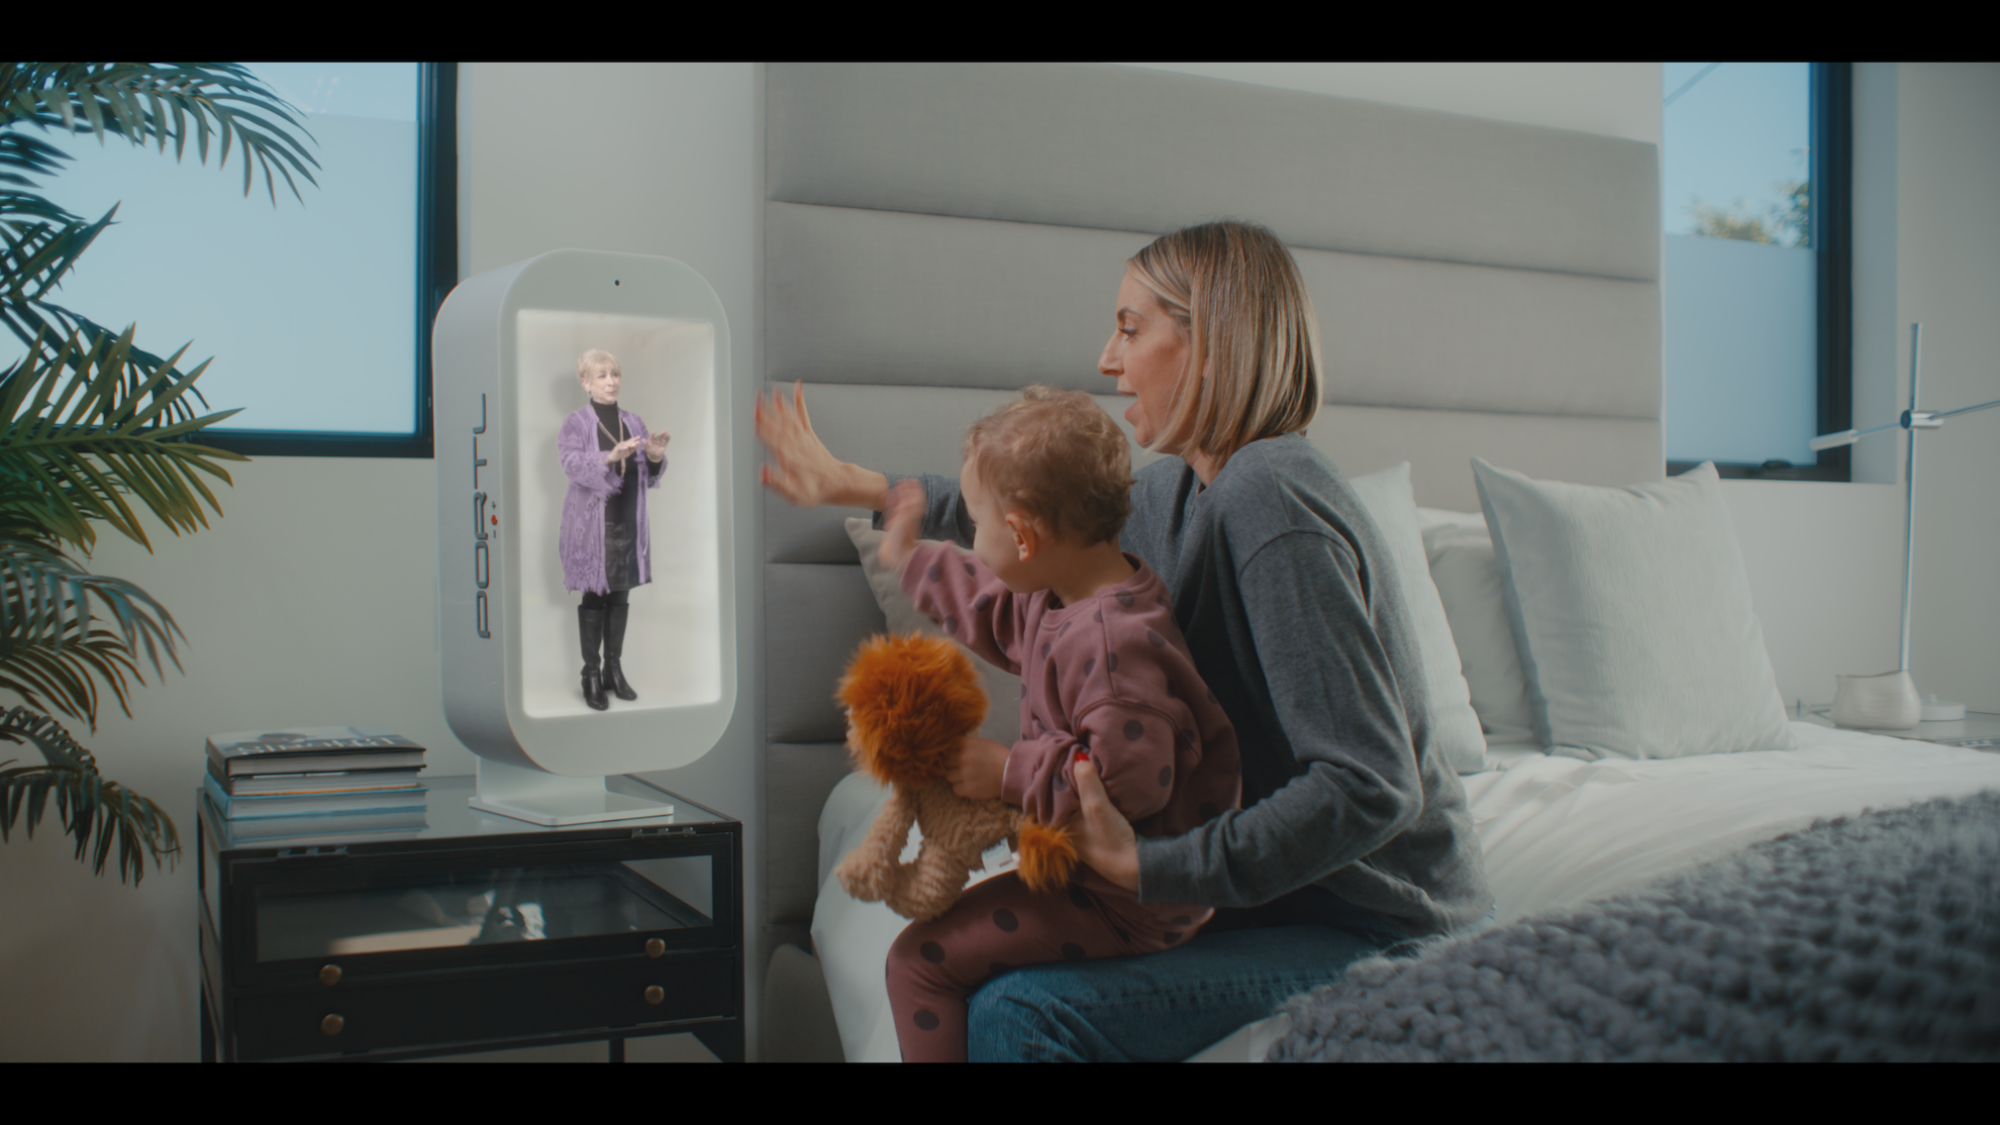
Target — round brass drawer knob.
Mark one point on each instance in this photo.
(329, 975)
(331, 1025)
(655, 947)
(654, 994)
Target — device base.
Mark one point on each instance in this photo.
(552, 800)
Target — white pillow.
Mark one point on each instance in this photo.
(1633, 616)
(1428, 518)
(1003, 688)
(1467, 576)
(1454, 724)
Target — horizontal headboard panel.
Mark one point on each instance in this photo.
(1117, 148)
(887, 297)
(920, 430)
(1440, 446)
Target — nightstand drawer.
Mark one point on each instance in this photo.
(385, 1015)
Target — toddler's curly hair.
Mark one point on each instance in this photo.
(1057, 457)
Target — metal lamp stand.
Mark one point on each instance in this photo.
(1890, 700)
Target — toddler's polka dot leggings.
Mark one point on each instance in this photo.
(998, 925)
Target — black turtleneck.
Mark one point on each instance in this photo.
(621, 512)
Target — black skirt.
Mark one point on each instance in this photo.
(621, 511)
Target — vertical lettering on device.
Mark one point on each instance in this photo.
(482, 565)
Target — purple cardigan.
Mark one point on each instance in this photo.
(591, 483)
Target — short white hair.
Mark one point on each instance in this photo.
(596, 359)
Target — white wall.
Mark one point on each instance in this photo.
(1948, 279)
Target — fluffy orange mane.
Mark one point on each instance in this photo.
(910, 700)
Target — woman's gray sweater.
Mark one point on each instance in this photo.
(1288, 600)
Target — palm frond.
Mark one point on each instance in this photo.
(142, 102)
(97, 813)
(35, 257)
(87, 419)
(156, 101)
(15, 203)
(44, 325)
(22, 156)
(25, 513)
(81, 431)
(49, 652)
(66, 672)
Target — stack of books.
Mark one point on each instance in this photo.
(308, 781)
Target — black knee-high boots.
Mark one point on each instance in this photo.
(614, 647)
(602, 628)
(590, 625)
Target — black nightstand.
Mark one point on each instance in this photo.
(472, 932)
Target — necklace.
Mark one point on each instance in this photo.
(617, 437)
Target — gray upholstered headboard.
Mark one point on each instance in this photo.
(938, 236)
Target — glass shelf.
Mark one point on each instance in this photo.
(423, 907)
(446, 815)
(470, 908)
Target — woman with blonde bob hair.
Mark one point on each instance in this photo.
(1235, 296)
(1354, 838)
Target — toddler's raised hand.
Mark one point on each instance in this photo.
(901, 518)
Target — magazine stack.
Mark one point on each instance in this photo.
(316, 781)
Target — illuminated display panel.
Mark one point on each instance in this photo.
(673, 650)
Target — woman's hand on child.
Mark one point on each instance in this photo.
(901, 518)
(1104, 838)
(656, 445)
(976, 774)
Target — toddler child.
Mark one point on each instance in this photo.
(1105, 673)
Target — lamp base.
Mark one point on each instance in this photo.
(1885, 701)
(1943, 710)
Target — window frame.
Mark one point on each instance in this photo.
(436, 262)
(1831, 132)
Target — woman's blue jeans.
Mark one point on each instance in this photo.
(1164, 1006)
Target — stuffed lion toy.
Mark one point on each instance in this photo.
(911, 701)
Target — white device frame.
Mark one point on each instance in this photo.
(553, 768)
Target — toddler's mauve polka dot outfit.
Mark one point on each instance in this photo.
(1109, 676)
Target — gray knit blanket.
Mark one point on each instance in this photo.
(1875, 937)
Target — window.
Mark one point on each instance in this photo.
(318, 313)
(1755, 292)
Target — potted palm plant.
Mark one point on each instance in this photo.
(89, 422)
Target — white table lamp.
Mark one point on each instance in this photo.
(1889, 700)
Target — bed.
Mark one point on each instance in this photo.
(936, 237)
(1558, 833)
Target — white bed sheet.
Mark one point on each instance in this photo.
(1556, 832)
